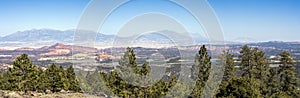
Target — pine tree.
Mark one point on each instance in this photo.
(2, 81)
(240, 88)
(180, 90)
(23, 76)
(229, 72)
(128, 70)
(261, 70)
(41, 85)
(128, 59)
(247, 62)
(5, 84)
(72, 80)
(54, 79)
(97, 85)
(288, 80)
(82, 81)
(229, 67)
(261, 64)
(63, 76)
(200, 71)
(272, 83)
(255, 67)
(145, 70)
(130, 81)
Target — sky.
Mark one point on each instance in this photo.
(259, 20)
(20, 15)
(142, 8)
(250, 20)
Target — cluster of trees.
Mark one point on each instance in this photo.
(257, 79)
(253, 78)
(128, 80)
(24, 76)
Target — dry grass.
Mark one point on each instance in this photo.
(12, 94)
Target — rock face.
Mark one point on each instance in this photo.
(57, 52)
(57, 49)
(61, 49)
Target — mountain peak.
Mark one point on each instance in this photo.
(58, 44)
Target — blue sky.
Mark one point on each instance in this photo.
(260, 20)
(129, 11)
(19, 15)
(257, 20)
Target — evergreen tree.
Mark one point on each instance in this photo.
(229, 72)
(128, 58)
(180, 90)
(161, 88)
(1, 75)
(23, 75)
(128, 70)
(200, 71)
(2, 81)
(145, 70)
(130, 81)
(247, 62)
(229, 67)
(5, 84)
(240, 88)
(272, 84)
(288, 80)
(255, 66)
(261, 70)
(82, 81)
(73, 82)
(261, 64)
(41, 86)
(97, 85)
(63, 76)
(54, 79)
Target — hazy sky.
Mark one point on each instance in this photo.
(257, 20)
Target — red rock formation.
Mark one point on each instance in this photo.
(61, 49)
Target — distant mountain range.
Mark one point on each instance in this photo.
(46, 37)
